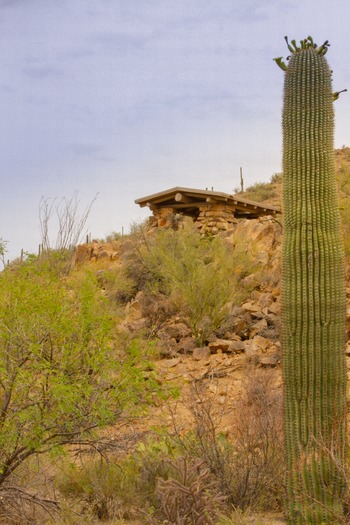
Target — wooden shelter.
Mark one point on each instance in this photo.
(211, 210)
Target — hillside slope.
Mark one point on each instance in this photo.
(195, 340)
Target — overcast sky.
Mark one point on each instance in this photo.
(124, 98)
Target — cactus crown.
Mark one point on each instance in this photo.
(306, 43)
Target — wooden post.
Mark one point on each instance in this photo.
(241, 175)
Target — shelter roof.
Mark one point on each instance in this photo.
(188, 200)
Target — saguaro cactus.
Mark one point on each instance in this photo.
(313, 293)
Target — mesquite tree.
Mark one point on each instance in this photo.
(313, 292)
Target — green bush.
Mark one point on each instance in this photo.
(108, 489)
(201, 275)
(260, 191)
(63, 372)
(118, 487)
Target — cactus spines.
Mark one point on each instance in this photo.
(313, 293)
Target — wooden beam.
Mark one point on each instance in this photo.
(180, 197)
(183, 205)
(215, 200)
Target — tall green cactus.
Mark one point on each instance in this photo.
(313, 293)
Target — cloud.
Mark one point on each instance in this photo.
(119, 43)
(207, 104)
(40, 72)
(4, 88)
(82, 150)
(11, 3)
(79, 53)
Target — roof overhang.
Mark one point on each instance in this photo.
(189, 200)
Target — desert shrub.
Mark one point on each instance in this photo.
(63, 372)
(180, 271)
(199, 274)
(20, 508)
(138, 384)
(196, 477)
(153, 457)
(248, 462)
(116, 487)
(114, 236)
(260, 191)
(157, 308)
(276, 178)
(101, 488)
(133, 269)
(67, 222)
(190, 494)
(119, 287)
(257, 437)
(55, 362)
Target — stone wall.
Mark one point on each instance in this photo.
(214, 218)
(164, 218)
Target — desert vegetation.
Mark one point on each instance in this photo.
(77, 385)
(264, 191)
(143, 386)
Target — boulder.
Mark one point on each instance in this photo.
(257, 345)
(251, 306)
(186, 345)
(219, 344)
(258, 327)
(201, 353)
(170, 363)
(241, 327)
(177, 330)
(226, 346)
(270, 360)
(236, 347)
(265, 299)
(274, 307)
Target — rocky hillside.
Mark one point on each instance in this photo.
(210, 312)
(247, 338)
(251, 328)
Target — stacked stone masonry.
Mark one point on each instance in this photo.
(213, 218)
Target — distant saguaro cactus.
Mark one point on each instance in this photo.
(313, 293)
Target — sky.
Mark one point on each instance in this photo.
(119, 99)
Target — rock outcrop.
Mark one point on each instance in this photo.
(250, 329)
